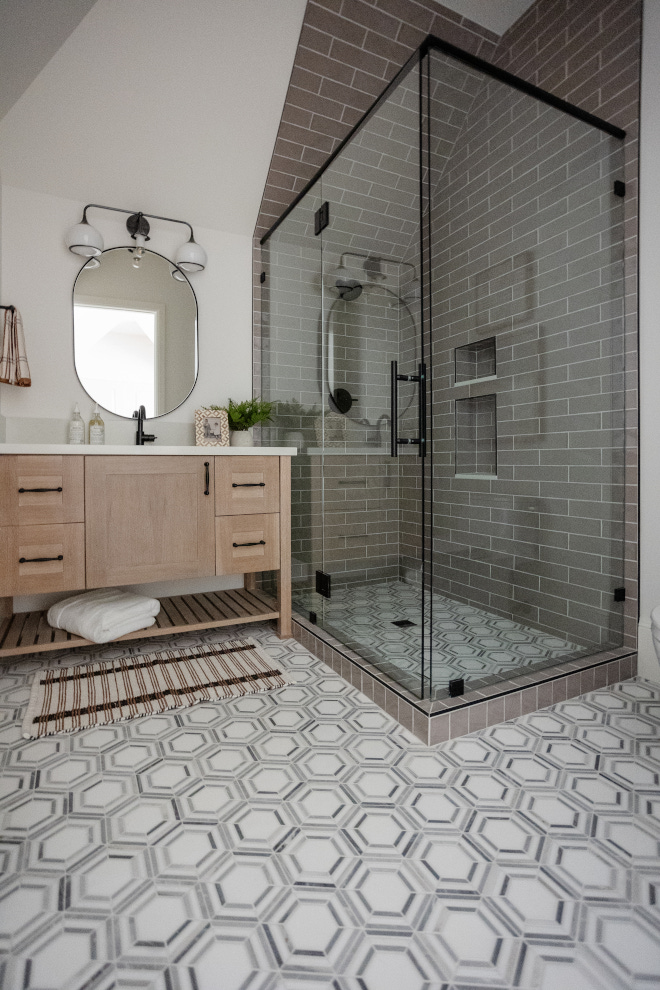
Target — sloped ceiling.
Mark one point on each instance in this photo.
(30, 34)
(154, 95)
(159, 95)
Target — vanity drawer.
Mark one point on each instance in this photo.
(41, 488)
(246, 484)
(36, 559)
(247, 543)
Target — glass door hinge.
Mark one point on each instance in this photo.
(323, 584)
(322, 217)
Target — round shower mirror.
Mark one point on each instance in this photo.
(135, 332)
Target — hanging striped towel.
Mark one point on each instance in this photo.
(14, 368)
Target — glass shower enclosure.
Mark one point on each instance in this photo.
(443, 341)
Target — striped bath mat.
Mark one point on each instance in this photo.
(68, 698)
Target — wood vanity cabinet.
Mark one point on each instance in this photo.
(70, 522)
(148, 519)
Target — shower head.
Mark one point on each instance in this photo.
(373, 268)
(349, 288)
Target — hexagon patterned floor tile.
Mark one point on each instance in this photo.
(303, 840)
(471, 639)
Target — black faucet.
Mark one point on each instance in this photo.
(140, 436)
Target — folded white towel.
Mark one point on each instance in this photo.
(104, 615)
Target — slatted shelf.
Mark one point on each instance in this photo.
(29, 632)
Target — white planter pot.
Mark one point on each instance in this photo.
(241, 438)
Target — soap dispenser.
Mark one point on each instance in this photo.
(76, 427)
(96, 427)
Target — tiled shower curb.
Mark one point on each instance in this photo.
(435, 722)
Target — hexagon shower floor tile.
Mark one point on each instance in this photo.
(468, 642)
(301, 839)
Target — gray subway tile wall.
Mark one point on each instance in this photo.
(339, 68)
(589, 55)
(520, 301)
(545, 468)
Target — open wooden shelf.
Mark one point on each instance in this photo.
(29, 632)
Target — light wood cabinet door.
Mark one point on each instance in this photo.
(148, 519)
(41, 488)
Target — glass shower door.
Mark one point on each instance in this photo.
(528, 371)
(292, 303)
(373, 393)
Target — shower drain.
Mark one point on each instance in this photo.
(404, 622)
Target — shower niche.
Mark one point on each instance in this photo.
(469, 510)
(476, 437)
(475, 362)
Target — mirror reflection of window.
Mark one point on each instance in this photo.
(116, 355)
(135, 333)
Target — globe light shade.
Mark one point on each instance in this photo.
(83, 239)
(191, 257)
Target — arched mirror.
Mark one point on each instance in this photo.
(135, 332)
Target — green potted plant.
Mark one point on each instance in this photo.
(243, 416)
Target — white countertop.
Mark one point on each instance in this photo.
(147, 450)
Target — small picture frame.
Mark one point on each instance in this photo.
(211, 428)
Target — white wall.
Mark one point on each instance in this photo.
(163, 106)
(40, 281)
(167, 107)
(158, 106)
(649, 339)
(38, 277)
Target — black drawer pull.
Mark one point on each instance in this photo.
(259, 543)
(206, 474)
(249, 484)
(21, 490)
(38, 560)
